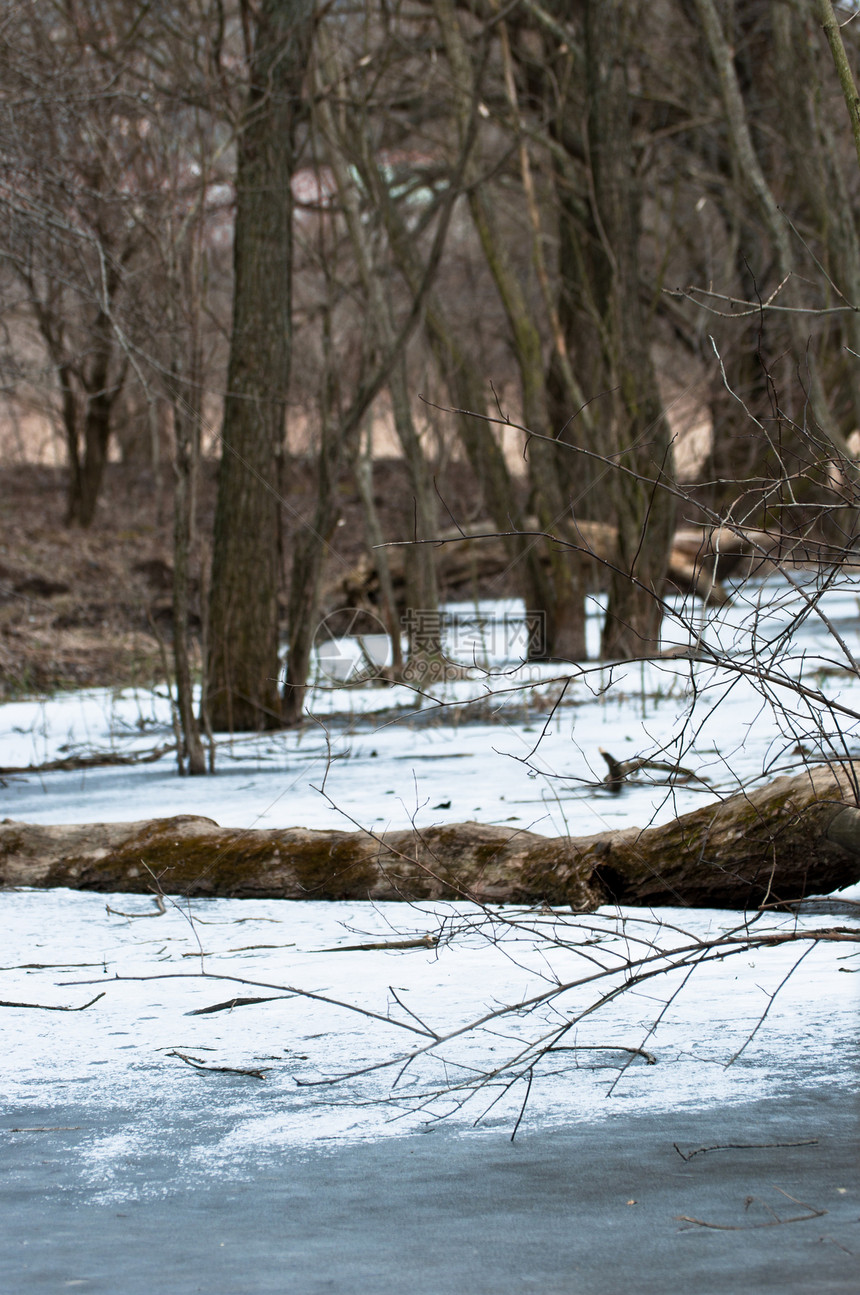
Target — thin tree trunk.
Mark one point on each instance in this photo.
(564, 605)
(825, 14)
(640, 442)
(186, 425)
(752, 176)
(71, 429)
(817, 167)
(242, 672)
(309, 553)
(379, 556)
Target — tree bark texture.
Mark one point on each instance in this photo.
(88, 418)
(793, 838)
(242, 673)
(559, 592)
(638, 433)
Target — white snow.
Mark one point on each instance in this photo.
(381, 757)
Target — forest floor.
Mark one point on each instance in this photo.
(85, 608)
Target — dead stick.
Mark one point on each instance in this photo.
(50, 1007)
(217, 1070)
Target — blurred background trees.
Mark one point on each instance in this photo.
(566, 253)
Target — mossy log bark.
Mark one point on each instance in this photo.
(797, 836)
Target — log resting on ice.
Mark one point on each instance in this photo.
(792, 838)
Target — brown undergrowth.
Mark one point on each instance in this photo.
(85, 608)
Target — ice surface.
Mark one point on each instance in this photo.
(512, 744)
(63, 948)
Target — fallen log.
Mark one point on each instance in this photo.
(92, 760)
(793, 838)
(468, 556)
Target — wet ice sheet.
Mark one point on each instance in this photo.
(134, 1049)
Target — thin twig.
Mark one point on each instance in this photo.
(744, 1146)
(218, 1070)
(50, 1007)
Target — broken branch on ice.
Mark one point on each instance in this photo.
(619, 770)
(195, 1064)
(234, 1002)
(54, 1007)
(421, 942)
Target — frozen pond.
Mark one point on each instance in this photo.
(151, 1142)
(161, 1102)
(349, 992)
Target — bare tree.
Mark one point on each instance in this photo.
(559, 597)
(242, 671)
(71, 139)
(637, 430)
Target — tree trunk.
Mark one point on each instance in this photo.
(423, 625)
(639, 442)
(817, 167)
(71, 429)
(379, 554)
(186, 431)
(242, 672)
(87, 468)
(562, 595)
(825, 14)
(88, 480)
(311, 548)
(796, 837)
(750, 171)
